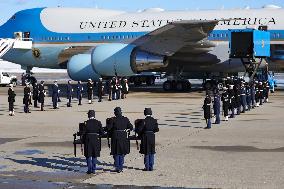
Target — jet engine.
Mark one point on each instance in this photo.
(124, 60)
(80, 69)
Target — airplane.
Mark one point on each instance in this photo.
(93, 43)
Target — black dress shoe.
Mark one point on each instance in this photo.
(89, 172)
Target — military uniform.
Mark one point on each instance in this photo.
(147, 132)
(92, 141)
(79, 92)
(120, 144)
(100, 90)
(217, 107)
(26, 99)
(252, 92)
(35, 94)
(41, 95)
(225, 100)
(90, 91)
(69, 92)
(248, 97)
(237, 98)
(232, 105)
(243, 98)
(11, 100)
(266, 90)
(207, 111)
(260, 88)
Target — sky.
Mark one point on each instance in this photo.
(9, 7)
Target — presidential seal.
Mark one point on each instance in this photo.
(36, 52)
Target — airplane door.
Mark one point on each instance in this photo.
(27, 36)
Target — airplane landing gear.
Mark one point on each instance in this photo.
(180, 85)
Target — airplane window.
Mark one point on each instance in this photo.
(218, 35)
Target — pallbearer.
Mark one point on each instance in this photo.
(69, 93)
(90, 91)
(260, 88)
(217, 106)
(207, 110)
(11, 100)
(225, 100)
(26, 99)
(41, 96)
(79, 92)
(92, 141)
(248, 96)
(243, 98)
(147, 132)
(252, 92)
(35, 94)
(120, 144)
(232, 103)
(100, 89)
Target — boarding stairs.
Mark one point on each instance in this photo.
(9, 43)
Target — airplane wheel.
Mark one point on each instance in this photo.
(180, 86)
(167, 86)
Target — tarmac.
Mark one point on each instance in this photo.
(36, 149)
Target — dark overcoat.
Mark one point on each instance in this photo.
(41, 93)
(55, 93)
(35, 92)
(69, 91)
(11, 95)
(207, 107)
(225, 100)
(147, 132)
(26, 98)
(92, 138)
(117, 126)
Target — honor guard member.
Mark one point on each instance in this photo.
(92, 141)
(243, 98)
(252, 92)
(266, 90)
(11, 100)
(248, 96)
(120, 144)
(257, 95)
(207, 110)
(69, 93)
(100, 89)
(119, 88)
(55, 91)
(232, 105)
(41, 95)
(90, 91)
(260, 88)
(237, 97)
(26, 99)
(35, 94)
(225, 100)
(79, 92)
(217, 106)
(147, 132)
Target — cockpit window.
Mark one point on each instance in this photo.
(13, 17)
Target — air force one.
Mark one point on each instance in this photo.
(93, 43)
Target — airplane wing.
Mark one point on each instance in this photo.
(174, 36)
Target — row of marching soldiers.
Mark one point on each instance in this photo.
(118, 130)
(116, 88)
(237, 97)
